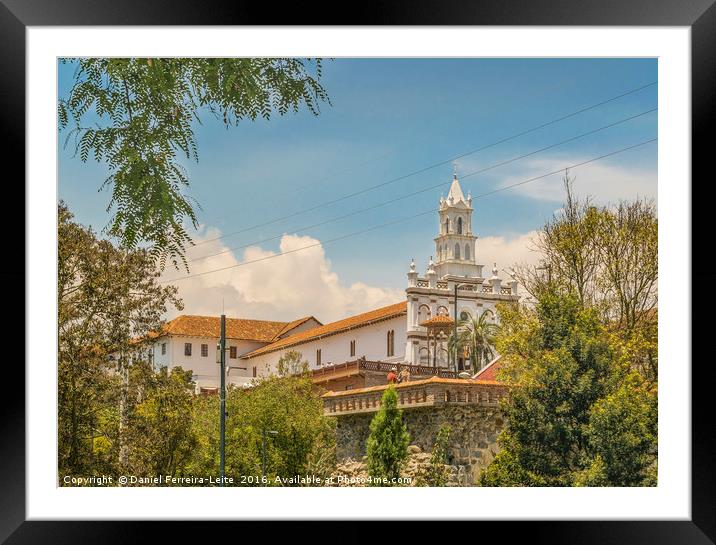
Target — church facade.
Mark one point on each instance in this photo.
(453, 286)
(414, 331)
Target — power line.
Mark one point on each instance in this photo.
(413, 216)
(432, 166)
(423, 190)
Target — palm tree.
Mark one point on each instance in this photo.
(452, 350)
(479, 334)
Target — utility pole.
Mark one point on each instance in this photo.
(546, 267)
(454, 340)
(264, 433)
(222, 398)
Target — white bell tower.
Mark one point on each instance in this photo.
(455, 243)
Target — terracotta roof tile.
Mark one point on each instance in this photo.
(291, 325)
(439, 320)
(351, 322)
(236, 328)
(489, 372)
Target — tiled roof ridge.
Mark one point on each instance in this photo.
(333, 328)
(294, 324)
(249, 329)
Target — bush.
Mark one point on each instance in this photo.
(387, 446)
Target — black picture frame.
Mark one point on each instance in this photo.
(699, 15)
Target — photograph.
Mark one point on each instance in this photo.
(358, 271)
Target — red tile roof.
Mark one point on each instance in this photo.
(489, 372)
(439, 320)
(292, 325)
(359, 320)
(236, 328)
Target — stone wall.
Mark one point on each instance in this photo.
(472, 440)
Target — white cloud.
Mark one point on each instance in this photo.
(281, 288)
(506, 252)
(606, 183)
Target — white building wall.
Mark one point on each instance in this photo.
(204, 369)
(371, 343)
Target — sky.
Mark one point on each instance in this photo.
(389, 118)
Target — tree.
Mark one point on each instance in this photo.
(144, 112)
(159, 434)
(479, 335)
(106, 297)
(292, 363)
(568, 245)
(627, 245)
(608, 258)
(437, 473)
(387, 445)
(623, 432)
(576, 415)
(287, 405)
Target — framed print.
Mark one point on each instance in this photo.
(408, 269)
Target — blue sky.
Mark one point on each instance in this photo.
(392, 116)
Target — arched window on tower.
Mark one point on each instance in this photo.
(457, 251)
(467, 251)
(459, 226)
(447, 225)
(423, 313)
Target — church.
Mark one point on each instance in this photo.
(412, 333)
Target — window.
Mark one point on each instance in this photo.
(459, 226)
(423, 313)
(232, 352)
(318, 357)
(391, 343)
(253, 371)
(204, 350)
(349, 387)
(467, 251)
(464, 316)
(187, 349)
(353, 348)
(457, 251)
(164, 349)
(424, 356)
(447, 225)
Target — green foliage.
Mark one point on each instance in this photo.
(608, 258)
(159, 434)
(304, 442)
(145, 112)
(292, 363)
(478, 334)
(437, 473)
(387, 446)
(623, 432)
(576, 416)
(106, 297)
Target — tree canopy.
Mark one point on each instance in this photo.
(387, 445)
(144, 112)
(107, 297)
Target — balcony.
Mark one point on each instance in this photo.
(434, 391)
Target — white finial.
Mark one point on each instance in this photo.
(494, 269)
(454, 170)
(469, 197)
(412, 265)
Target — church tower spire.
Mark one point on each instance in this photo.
(455, 243)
